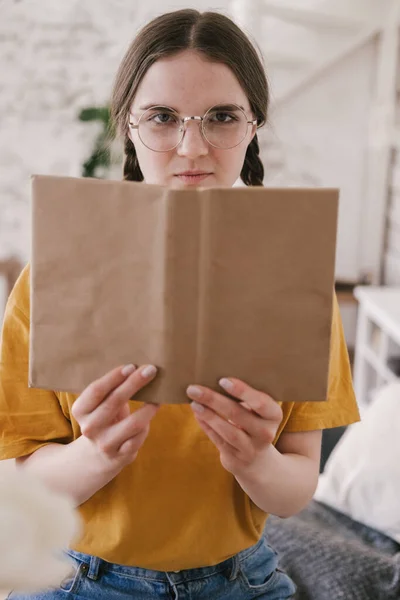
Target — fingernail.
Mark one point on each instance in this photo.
(197, 407)
(194, 392)
(127, 370)
(226, 384)
(149, 371)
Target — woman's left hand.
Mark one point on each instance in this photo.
(242, 431)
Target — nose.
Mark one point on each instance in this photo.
(193, 143)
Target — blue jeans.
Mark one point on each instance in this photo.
(252, 573)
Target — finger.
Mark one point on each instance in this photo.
(114, 438)
(131, 447)
(228, 432)
(213, 435)
(259, 402)
(95, 393)
(247, 420)
(104, 415)
(123, 412)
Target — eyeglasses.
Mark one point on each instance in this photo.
(162, 129)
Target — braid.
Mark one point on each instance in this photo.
(132, 170)
(253, 170)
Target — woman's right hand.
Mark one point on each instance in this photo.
(105, 419)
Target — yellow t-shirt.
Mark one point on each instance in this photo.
(175, 507)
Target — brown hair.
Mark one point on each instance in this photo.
(217, 38)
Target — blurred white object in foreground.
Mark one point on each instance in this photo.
(36, 524)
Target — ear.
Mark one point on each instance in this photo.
(129, 129)
(253, 132)
(130, 135)
(131, 138)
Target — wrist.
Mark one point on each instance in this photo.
(257, 471)
(96, 461)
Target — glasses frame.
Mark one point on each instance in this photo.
(185, 120)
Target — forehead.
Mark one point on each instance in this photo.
(189, 82)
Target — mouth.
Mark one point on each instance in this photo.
(192, 177)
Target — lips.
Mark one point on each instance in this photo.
(192, 173)
(192, 177)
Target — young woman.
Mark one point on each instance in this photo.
(175, 510)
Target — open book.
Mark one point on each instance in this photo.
(203, 283)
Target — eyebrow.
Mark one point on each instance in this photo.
(225, 106)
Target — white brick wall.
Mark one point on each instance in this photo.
(56, 58)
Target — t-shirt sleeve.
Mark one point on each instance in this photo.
(340, 408)
(29, 418)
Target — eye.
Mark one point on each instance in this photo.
(162, 118)
(222, 117)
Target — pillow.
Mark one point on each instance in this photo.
(362, 475)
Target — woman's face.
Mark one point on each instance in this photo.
(191, 85)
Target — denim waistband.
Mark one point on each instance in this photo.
(95, 566)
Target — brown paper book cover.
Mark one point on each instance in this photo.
(203, 283)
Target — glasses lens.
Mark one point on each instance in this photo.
(225, 126)
(160, 129)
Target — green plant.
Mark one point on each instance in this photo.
(100, 160)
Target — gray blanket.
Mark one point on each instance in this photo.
(331, 557)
